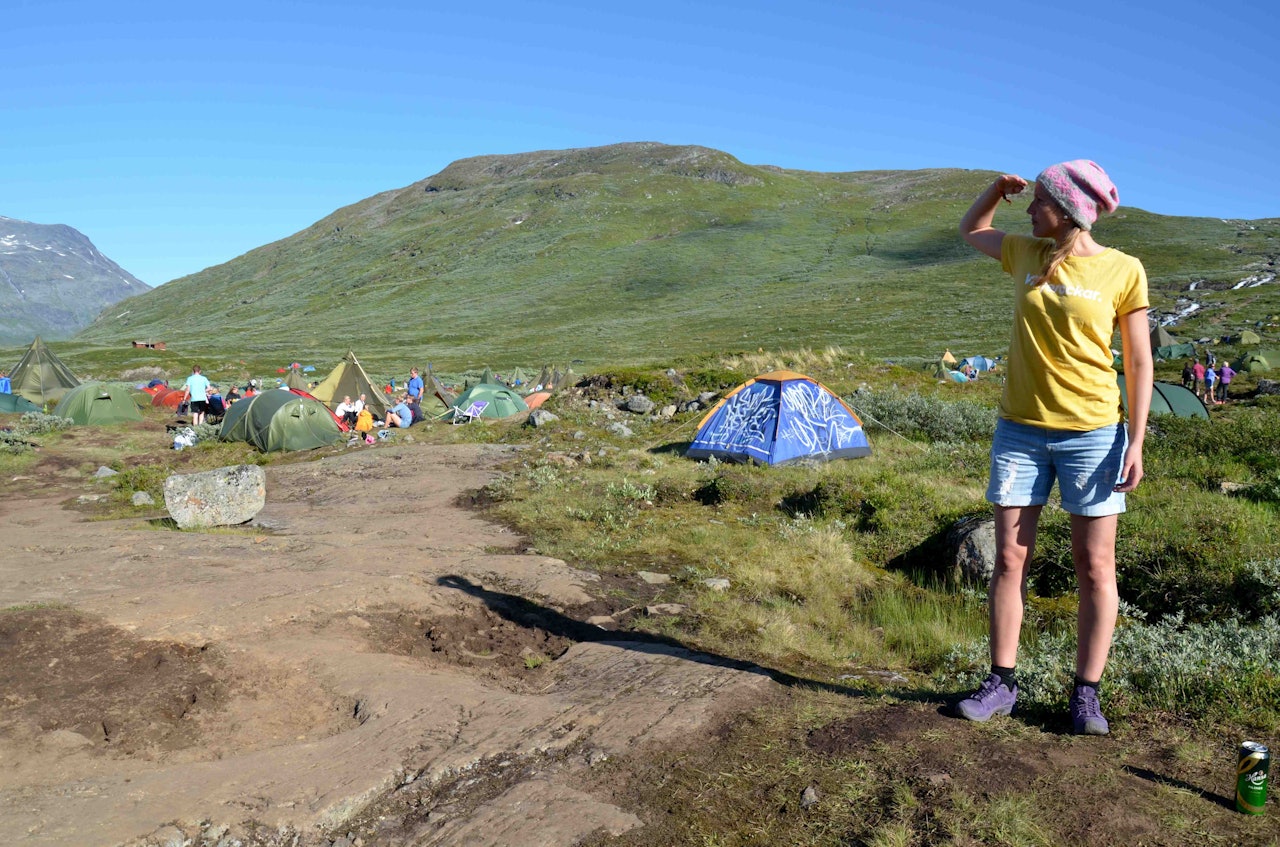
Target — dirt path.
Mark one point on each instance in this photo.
(369, 633)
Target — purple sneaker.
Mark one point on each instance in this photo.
(993, 697)
(1086, 712)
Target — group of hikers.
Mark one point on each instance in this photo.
(1210, 381)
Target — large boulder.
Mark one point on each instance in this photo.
(220, 497)
(540, 418)
(974, 542)
(639, 404)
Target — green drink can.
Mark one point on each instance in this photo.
(1251, 777)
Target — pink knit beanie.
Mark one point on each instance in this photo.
(1082, 189)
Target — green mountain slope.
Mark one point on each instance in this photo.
(641, 252)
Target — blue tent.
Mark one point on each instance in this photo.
(780, 417)
(982, 363)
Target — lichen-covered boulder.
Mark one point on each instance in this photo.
(220, 497)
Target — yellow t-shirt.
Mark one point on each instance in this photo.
(1060, 374)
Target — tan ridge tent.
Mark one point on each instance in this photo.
(40, 376)
(348, 379)
(447, 397)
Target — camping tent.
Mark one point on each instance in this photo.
(16, 403)
(941, 371)
(947, 358)
(294, 379)
(1249, 337)
(169, 397)
(280, 420)
(536, 399)
(1168, 399)
(502, 402)
(1164, 346)
(348, 379)
(443, 394)
(980, 363)
(780, 417)
(1160, 337)
(97, 403)
(1252, 363)
(40, 376)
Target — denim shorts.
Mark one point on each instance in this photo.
(1025, 460)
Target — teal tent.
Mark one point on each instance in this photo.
(280, 420)
(1164, 346)
(98, 403)
(1168, 399)
(16, 403)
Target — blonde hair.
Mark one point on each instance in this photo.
(1059, 254)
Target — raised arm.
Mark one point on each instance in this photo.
(975, 226)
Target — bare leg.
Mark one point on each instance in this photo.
(1093, 548)
(1015, 542)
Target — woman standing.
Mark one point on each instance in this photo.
(1060, 415)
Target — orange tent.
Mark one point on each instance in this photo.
(172, 398)
(536, 399)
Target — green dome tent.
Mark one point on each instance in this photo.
(98, 403)
(280, 420)
(1249, 337)
(40, 376)
(503, 402)
(1168, 399)
(16, 403)
(1252, 363)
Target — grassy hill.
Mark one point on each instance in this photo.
(640, 252)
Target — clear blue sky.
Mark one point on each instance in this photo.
(178, 136)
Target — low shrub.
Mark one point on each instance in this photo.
(12, 442)
(741, 484)
(932, 418)
(38, 423)
(1222, 669)
(148, 478)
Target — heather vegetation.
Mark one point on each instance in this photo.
(840, 572)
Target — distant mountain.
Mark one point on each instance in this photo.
(639, 252)
(54, 282)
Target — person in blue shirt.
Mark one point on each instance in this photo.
(196, 389)
(6, 387)
(400, 414)
(415, 385)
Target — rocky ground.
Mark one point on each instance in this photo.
(369, 660)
